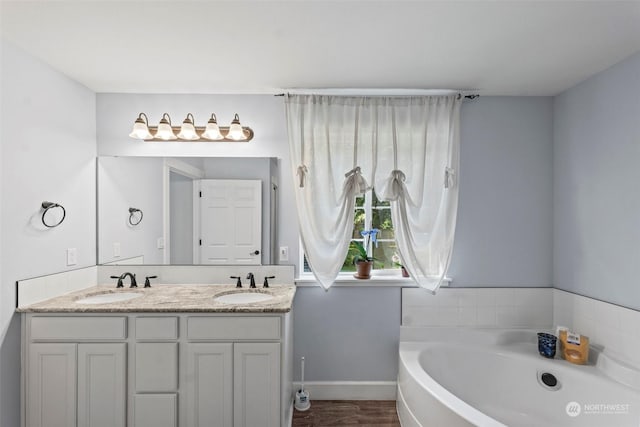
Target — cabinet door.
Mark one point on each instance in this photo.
(256, 376)
(156, 367)
(51, 385)
(101, 385)
(209, 385)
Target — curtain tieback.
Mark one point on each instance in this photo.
(393, 189)
(449, 177)
(355, 182)
(302, 174)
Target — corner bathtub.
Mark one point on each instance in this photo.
(466, 377)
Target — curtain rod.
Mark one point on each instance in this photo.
(472, 96)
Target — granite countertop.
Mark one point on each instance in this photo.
(168, 298)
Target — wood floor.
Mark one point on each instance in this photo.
(379, 413)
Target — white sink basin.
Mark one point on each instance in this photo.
(243, 298)
(109, 298)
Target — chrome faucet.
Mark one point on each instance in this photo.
(252, 280)
(134, 284)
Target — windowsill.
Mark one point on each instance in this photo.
(382, 280)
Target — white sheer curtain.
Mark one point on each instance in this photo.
(406, 146)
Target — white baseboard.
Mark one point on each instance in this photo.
(349, 390)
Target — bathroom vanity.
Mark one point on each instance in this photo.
(174, 355)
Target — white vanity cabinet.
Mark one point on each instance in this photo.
(157, 370)
(70, 381)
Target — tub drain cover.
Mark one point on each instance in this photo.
(549, 379)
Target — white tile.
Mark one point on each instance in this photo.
(486, 297)
(628, 321)
(486, 317)
(467, 316)
(467, 298)
(505, 297)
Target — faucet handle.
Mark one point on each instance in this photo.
(238, 282)
(252, 279)
(147, 282)
(119, 285)
(266, 281)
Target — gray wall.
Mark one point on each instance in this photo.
(503, 238)
(181, 216)
(48, 153)
(505, 219)
(504, 230)
(597, 174)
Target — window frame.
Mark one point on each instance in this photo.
(386, 273)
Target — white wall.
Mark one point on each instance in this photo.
(48, 153)
(597, 172)
(127, 182)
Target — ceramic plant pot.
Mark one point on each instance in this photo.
(363, 269)
(405, 273)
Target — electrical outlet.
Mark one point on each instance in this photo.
(284, 253)
(116, 250)
(160, 243)
(72, 256)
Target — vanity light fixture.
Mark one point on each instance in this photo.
(165, 131)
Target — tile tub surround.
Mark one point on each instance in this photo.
(612, 329)
(168, 298)
(478, 307)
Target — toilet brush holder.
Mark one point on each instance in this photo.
(302, 402)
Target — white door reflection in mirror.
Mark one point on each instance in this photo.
(230, 221)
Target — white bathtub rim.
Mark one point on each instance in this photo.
(607, 364)
(409, 357)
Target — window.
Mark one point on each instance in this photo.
(371, 213)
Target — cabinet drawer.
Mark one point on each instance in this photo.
(156, 328)
(233, 328)
(78, 328)
(155, 410)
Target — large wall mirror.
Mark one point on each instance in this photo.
(187, 210)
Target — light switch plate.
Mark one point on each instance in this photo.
(160, 243)
(72, 256)
(116, 249)
(284, 253)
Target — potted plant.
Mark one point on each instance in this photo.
(360, 253)
(396, 262)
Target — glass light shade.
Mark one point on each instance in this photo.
(140, 131)
(235, 130)
(212, 131)
(165, 132)
(141, 128)
(188, 130)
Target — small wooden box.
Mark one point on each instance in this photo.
(574, 353)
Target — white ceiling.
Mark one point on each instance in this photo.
(494, 47)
